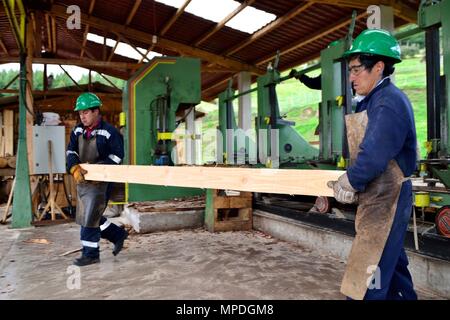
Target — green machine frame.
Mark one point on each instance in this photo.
(292, 149)
(336, 103)
(151, 99)
(275, 135)
(276, 139)
(434, 19)
(431, 18)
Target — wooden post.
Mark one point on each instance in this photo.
(209, 209)
(2, 136)
(90, 81)
(22, 213)
(8, 123)
(8, 203)
(45, 77)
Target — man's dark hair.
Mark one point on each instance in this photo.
(95, 108)
(368, 61)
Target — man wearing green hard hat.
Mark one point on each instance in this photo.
(382, 145)
(98, 142)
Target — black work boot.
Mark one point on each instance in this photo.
(119, 243)
(84, 261)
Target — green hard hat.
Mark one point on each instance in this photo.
(376, 42)
(86, 101)
(333, 43)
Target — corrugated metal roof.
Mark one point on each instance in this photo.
(151, 17)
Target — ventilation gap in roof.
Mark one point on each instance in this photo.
(122, 48)
(248, 20)
(214, 10)
(128, 51)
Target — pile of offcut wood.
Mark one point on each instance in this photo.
(187, 204)
(6, 162)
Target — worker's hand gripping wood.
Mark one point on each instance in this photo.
(78, 173)
(343, 190)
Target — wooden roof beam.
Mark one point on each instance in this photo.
(174, 17)
(401, 10)
(11, 82)
(70, 77)
(121, 37)
(61, 93)
(310, 38)
(127, 22)
(270, 27)
(86, 29)
(70, 35)
(145, 37)
(36, 18)
(85, 63)
(109, 81)
(49, 33)
(222, 23)
(133, 11)
(146, 53)
(217, 83)
(53, 28)
(2, 45)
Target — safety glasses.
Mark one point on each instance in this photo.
(355, 70)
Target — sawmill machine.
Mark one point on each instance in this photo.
(153, 97)
(433, 195)
(275, 143)
(277, 140)
(278, 144)
(284, 147)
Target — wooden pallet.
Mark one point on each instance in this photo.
(228, 212)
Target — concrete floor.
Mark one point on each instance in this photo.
(186, 264)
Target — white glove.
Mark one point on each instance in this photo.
(343, 190)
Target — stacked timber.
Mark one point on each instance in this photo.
(6, 162)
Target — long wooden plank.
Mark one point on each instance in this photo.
(283, 181)
(2, 137)
(8, 123)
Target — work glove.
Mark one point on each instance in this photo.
(293, 74)
(343, 190)
(78, 173)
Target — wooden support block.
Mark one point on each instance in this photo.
(238, 202)
(228, 213)
(282, 181)
(221, 202)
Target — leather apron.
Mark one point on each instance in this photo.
(91, 196)
(374, 217)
